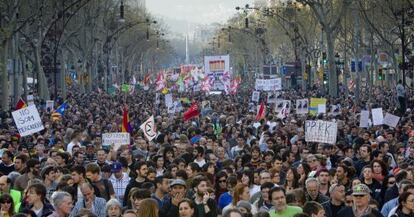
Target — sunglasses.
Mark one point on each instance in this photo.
(391, 183)
(359, 195)
(5, 201)
(222, 181)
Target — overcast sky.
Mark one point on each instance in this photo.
(195, 11)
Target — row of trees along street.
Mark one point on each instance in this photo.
(103, 41)
(324, 36)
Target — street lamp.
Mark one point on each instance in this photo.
(121, 12)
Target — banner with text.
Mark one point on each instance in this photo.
(269, 84)
(321, 131)
(27, 120)
(117, 139)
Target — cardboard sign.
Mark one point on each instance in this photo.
(321, 131)
(116, 139)
(27, 120)
(391, 120)
(377, 116)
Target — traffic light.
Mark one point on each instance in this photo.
(380, 75)
(325, 78)
(324, 60)
(246, 22)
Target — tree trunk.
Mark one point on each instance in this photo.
(4, 81)
(24, 75)
(63, 74)
(43, 90)
(333, 76)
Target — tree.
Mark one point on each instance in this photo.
(329, 14)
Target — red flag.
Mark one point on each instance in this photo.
(20, 104)
(261, 112)
(191, 112)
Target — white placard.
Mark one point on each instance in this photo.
(169, 100)
(269, 84)
(302, 106)
(377, 116)
(116, 139)
(255, 96)
(50, 104)
(321, 108)
(149, 128)
(391, 120)
(321, 131)
(364, 119)
(280, 104)
(28, 120)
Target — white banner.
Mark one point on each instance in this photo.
(116, 139)
(321, 131)
(149, 128)
(269, 84)
(302, 106)
(218, 69)
(27, 120)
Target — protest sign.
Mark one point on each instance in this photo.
(314, 103)
(364, 119)
(168, 100)
(321, 108)
(302, 106)
(391, 120)
(282, 104)
(50, 104)
(27, 120)
(116, 139)
(255, 96)
(272, 97)
(377, 116)
(149, 128)
(321, 131)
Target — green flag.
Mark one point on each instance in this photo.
(125, 88)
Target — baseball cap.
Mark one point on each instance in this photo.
(116, 167)
(177, 182)
(360, 189)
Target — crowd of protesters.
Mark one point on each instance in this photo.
(223, 162)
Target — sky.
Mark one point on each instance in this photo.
(195, 11)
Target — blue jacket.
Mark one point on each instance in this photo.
(98, 204)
